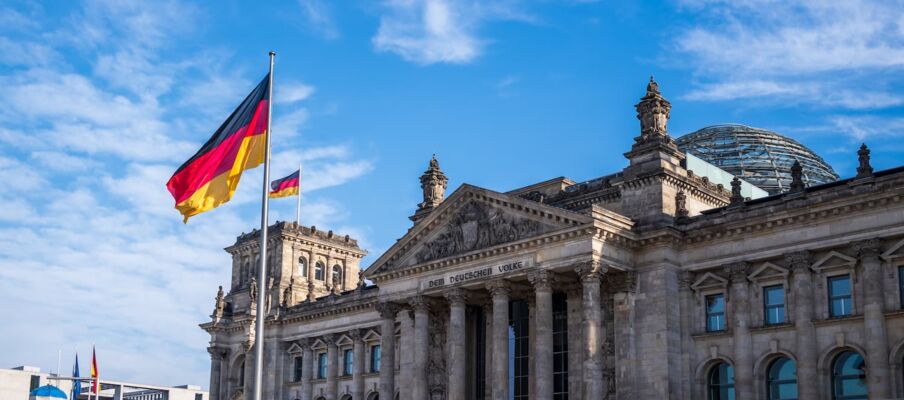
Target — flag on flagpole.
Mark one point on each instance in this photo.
(211, 176)
(94, 372)
(76, 384)
(285, 187)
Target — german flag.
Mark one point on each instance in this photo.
(285, 187)
(210, 177)
(94, 372)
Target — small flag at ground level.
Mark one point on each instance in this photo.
(285, 187)
(76, 384)
(94, 373)
(211, 176)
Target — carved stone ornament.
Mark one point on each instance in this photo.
(499, 287)
(736, 199)
(870, 248)
(289, 294)
(737, 272)
(419, 304)
(220, 304)
(476, 226)
(541, 279)
(653, 113)
(217, 353)
(356, 335)
(387, 310)
(252, 290)
(797, 178)
(681, 210)
(329, 339)
(590, 271)
(456, 296)
(433, 183)
(238, 394)
(311, 296)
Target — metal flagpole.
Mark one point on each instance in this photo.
(262, 273)
(298, 207)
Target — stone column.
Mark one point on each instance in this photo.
(332, 366)
(591, 273)
(805, 332)
(625, 335)
(406, 357)
(488, 350)
(216, 366)
(387, 349)
(540, 279)
(877, 378)
(307, 369)
(575, 343)
(457, 386)
(743, 346)
(357, 336)
(500, 292)
(421, 309)
(688, 361)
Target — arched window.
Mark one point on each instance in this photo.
(337, 274)
(849, 377)
(245, 270)
(318, 271)
(373, 396)
(241, 377)
(721, 382)
(302, 267)
(782, 379)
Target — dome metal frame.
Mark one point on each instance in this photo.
(761, 157)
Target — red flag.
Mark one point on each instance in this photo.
(94, 385)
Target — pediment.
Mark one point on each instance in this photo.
(895, 251)
(371, 335)
(318, 344)
(295, 349)
(344, 340)
(768, 271)
(470, 220)
(709, 280)
(834, 260)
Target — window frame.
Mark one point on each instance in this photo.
(849, 296)
(769, 307)
(319, 273)
(322, 365)
(303, 267)
(297, 367)
(770, 382)
(709, 314)
(712, 388)
(376, 358)
(348, 363)
(835, 376)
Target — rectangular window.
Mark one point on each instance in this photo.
(774, 304)
(35, 382)
(348, 367)
(559, 347)
(321, 366)
(297, 365)
(901, 285)
(199, 396)
(519, 349)
(715, 313)
(840, 296)
(375, 359)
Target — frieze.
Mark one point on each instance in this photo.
(477, 226)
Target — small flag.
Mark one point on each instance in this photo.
(211, 176)
(285, 187)
(94, 373)
(76, 384)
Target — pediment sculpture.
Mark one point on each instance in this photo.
(476, 226)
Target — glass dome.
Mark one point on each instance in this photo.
(761, 157)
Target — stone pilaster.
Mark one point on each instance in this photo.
(878, 379)
(456, 344)
(807, 351)
(591, 273)
(332, 366)
(216, 367)
(406, 357)
(543, 343)
(388, 313)
(500, 291)
(686, 296)
(358, 389)
(742, 344)
(421, 308)
(307, 369)
(575, 342)
(624, 334)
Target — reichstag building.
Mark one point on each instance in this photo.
(731, 263)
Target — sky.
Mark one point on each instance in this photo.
(103, 100)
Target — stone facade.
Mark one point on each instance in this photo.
(642, 284)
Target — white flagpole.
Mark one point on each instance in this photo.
(298, 206)
(262, 273)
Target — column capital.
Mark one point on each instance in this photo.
(541, 279)
(456, 296)
(330, 339)
(798, 261)
(590, 271)
(869, 248)
(387, 310)
(685, 280)
(499, 287)
(356, 335)
(217, 353)
(419, 304)
(737, 272)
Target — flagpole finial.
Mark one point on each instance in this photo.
(272, 53)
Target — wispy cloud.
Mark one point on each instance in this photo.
(318, 17)
(440, 31)
(833, 54)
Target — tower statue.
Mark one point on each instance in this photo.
(220, 304)
(653, 113)
(433, 182)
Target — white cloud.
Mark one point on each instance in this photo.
(867, 127)
(826, 53)
(293, 92)
(439, 31)
(318, 17)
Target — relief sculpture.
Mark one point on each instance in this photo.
(477, 226)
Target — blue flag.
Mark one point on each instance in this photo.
(76, 384)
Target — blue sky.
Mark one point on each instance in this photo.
(102, 100)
